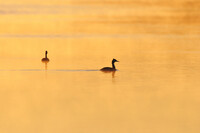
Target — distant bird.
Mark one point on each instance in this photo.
(113, 68)
(45, 60)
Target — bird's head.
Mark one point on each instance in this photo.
(114, 60)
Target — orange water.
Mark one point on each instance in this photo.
(156, 89)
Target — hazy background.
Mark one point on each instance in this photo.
(155, 90)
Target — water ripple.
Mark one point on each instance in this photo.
(99, 36)
(61, 70)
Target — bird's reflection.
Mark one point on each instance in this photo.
(46, 64)
(112, 72)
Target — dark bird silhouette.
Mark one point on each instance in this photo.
(45, 60)
(113, 68)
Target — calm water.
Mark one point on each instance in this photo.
(156, 89)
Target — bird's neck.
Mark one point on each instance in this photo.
(45, 55)
(113, 65)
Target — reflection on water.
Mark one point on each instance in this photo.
(45, 62)
(110, 72)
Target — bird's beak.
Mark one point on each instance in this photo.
(117, 61)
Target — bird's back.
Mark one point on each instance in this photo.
(45, 60)
(108, 69)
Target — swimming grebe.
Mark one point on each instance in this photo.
(110, 68)
(45, 60)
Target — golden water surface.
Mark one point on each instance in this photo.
(156, 89)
